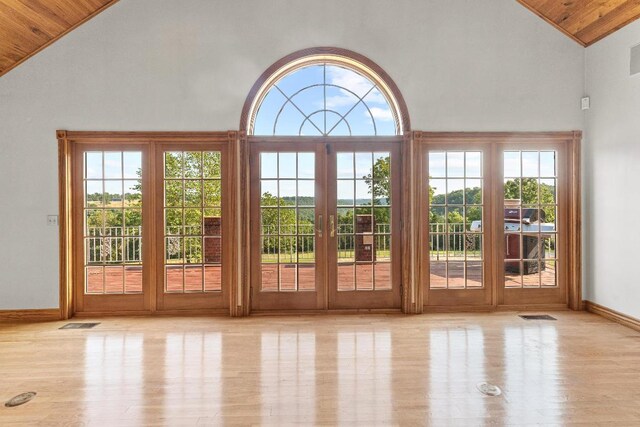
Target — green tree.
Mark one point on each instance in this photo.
(379, 181)
(277, 221)
(192, 192)
(529, 196)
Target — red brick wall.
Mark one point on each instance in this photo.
(365, 249)
(212, 240)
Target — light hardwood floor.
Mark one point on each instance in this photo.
(328, 370)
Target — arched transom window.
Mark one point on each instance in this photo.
(325, 98)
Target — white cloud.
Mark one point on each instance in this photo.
(343, 100)
(382, 114)
(342, 77)
(354, 82)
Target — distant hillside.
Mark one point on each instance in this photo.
(309, 201)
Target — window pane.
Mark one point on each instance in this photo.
(193, 221)
(112, 222)
(324, 99)
(455, 220)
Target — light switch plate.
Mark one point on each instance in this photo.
(52, 220)
(586, 103)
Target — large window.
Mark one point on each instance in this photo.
(325, 138)
(324, 99)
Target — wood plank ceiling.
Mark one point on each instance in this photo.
(28, 26)
(586, 21)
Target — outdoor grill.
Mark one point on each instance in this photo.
(527, 220)
(518, 220)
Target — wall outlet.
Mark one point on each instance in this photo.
(586, 103)
(52, 220)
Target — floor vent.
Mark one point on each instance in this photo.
(489, 389)
(79, 325)
(20, 399)
(537, 317)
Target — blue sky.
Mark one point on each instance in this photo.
(311, 101)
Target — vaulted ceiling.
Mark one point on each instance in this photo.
(586, 21)
(28, 26)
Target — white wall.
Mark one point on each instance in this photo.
(189, 64)
(612, 167)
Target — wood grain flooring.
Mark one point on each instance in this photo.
(323, 370)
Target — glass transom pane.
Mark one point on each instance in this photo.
(325, 100)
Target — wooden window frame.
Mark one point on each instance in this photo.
(369, 68)
(68, 141)
(571, 142)
(238, 158)
(412, 292)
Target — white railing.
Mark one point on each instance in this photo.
(299, 241)
(114, 245)
(124, 244)
(454, 239)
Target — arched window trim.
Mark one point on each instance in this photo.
(329, 56)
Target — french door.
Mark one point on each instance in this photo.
(363, 196)
(325, 225)
(456, 224)
(287, 226)
(111, 212)
(533, 244)
(151, 223)
(192, 222)
(494, 223)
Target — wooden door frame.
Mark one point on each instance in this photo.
(388, 300)
(68, 140)
(88, 303)
(551, 296)
(572, 141)
(246, 142)
(412, 295)
(199, 301)
(257, 146)
(463, 299)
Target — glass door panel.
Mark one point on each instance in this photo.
(192, 221)
(363, 215)
(287, 219)
(287, 222)
(113, 222)
(456, 215)
(193, 224)
(110, 184)
(363, 226)
(325, 211)
(532, 230)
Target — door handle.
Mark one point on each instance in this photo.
(319, 229)
(332, 226)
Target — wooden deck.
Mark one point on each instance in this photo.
(209, 278)
(350, 276)
(196, 278)
(456, 274)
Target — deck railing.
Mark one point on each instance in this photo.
(124, 244)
